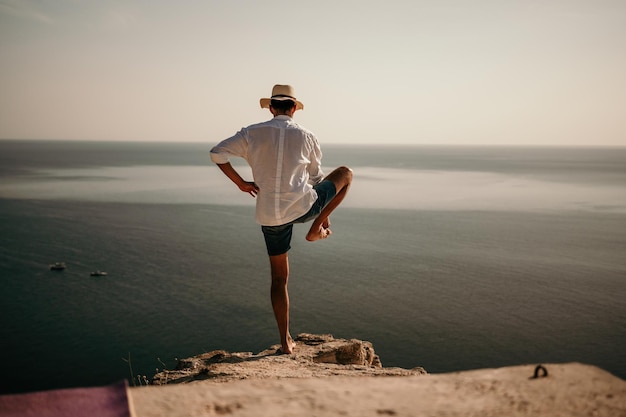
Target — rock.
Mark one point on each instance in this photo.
(570, 389)
(314, 356)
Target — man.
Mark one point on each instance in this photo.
(288, 185)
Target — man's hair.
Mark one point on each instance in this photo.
(282, 105)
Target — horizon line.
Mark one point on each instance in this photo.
(368, 144)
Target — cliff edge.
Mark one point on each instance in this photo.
(339, 377)
(314, 356)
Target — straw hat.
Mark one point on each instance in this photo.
(282, 92)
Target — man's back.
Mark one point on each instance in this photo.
(286, 162)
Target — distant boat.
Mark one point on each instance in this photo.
(98, 274)
(58, 266)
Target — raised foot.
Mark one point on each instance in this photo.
(319, 233)
(319, 230)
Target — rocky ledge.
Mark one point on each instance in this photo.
(314, 356)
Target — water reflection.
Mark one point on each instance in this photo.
(372, 188)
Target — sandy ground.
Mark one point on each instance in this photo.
(569, 390)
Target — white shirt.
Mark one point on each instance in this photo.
(286, 162)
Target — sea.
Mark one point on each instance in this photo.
(449, 258)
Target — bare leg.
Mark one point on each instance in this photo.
(320, 229)
(280, 299)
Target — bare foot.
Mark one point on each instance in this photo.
(289, 348)
(318, 233)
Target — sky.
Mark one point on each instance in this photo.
(481, 72)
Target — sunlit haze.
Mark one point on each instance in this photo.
(412, 72)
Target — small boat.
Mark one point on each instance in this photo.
(98, 274)
(58, 266)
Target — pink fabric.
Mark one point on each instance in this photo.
(109, 401)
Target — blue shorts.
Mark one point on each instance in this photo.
(278, 238)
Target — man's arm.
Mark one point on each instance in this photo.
(245, 186)
(233, 146)
(315, 167)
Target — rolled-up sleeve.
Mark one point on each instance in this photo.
(236, 145)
